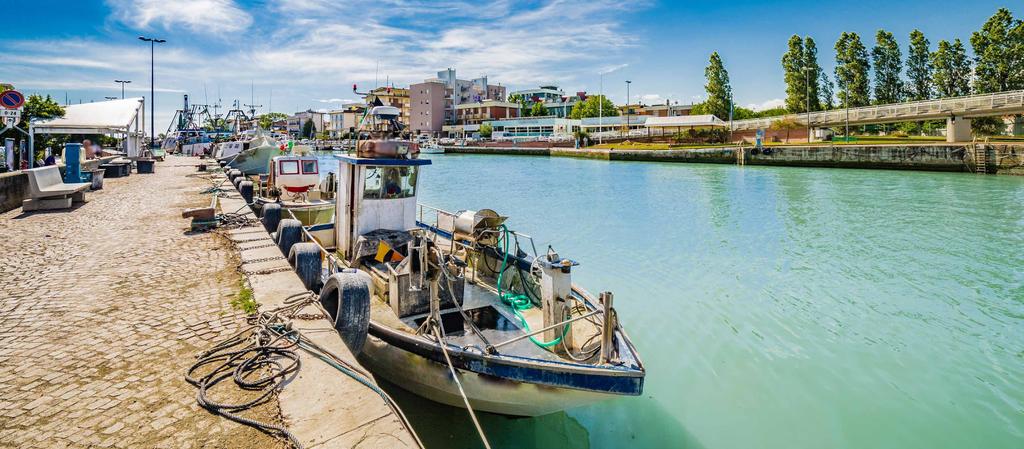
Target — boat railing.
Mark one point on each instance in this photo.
(426, 211)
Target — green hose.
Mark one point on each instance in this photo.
(519, 301)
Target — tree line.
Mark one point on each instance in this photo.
(881, 75)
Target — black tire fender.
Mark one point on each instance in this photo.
(346, 298)
(289, 232)
(305, 258)
(271, 216)
(245, 188)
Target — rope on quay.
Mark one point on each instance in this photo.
(244, 357)
(292, 309)
(275, 327)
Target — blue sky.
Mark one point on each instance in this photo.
(308, 53)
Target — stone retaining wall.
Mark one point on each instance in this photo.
(13, 186)
(1000, 158)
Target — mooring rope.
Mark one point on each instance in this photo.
(465, 399)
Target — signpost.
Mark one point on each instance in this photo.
(11, 103)
(11, 99)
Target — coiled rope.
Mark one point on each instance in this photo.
(269, 338)
(242, 358)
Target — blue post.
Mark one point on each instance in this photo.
(72, 163)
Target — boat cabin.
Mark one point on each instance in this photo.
(374, 194)
(293, 175)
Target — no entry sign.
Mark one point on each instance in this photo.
(11, 99)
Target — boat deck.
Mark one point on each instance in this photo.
(495, 320)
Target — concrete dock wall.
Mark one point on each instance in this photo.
(13, 187)
(1000, 158)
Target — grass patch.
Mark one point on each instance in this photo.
(245, 300)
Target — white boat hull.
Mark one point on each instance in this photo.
(433, 381)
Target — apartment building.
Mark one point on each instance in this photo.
(428, 103)
(486, 110)
(299, 119)
(435, 100)
(393, 96)
(345, 120)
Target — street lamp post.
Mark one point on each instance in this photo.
(629, 111)
(152, 88)
(600, 110)
(122, 83)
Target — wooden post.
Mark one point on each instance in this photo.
(608, 327)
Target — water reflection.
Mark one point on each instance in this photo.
(773, 306)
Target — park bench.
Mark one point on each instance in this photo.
(47, 191)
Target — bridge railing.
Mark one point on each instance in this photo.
(974, 105)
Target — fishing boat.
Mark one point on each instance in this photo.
(441, 302)
(188, 142)
(254, 159)
(431, 148)
(294, 183)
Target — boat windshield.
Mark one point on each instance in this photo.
(389, 182)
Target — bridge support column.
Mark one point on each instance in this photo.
(958, 129)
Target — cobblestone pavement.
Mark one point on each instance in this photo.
(103, 308)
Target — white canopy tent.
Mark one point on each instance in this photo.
(125, 117)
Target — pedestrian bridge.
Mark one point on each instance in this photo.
(956, 111)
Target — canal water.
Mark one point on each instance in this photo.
(773, 307)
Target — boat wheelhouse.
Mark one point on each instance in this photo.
(294, 183)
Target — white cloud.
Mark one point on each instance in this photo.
(310, 52)
(199, 16)
(769, 104)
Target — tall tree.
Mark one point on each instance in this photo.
(37, 107)
(718, 89)
(888, 63)
(538, 110)
(266, 121)
(593, 106)
(952, 70)
(307, 129)
(800, 65)
(828, 89)
(919, 67)
(792, 68)
(813, 72)
(999, 54)
(524, 104)
(852, 67)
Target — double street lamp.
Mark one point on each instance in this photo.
(152, 89)
(122, 83)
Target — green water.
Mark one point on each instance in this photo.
(773, 307)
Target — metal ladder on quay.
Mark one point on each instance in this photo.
(980, 156)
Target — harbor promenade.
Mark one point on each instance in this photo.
(103, 307)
